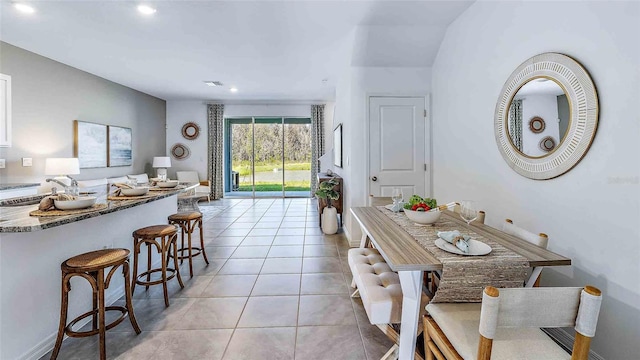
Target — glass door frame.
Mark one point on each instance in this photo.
(229, 121)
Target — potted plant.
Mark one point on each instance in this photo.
(329, 214)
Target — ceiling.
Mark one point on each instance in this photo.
(269, 50)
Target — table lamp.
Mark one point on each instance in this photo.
(161, 163)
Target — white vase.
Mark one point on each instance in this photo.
(329, 220)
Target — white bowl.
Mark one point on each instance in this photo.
(80, 202)
(423, 217)
(139, 191)
(168, 184)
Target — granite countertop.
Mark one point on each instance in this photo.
(15, 218)
(11, 186)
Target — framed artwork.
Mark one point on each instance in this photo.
(90, 144)
(337, 146)
(120, 146)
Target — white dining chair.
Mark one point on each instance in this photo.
(541, 240)
(192, 177)
(506, 325)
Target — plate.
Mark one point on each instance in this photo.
(167, 184)
(390, 208)
(476, 247)
(139, 191)
(80, 202)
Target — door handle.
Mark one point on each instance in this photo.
(373, 178)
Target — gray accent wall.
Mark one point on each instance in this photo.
(48, 96)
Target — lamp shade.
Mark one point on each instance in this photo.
(161, 162)
(62, 166)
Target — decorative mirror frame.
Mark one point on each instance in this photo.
(536, 129)
(583, 104)
(180, 151)
(185, 130)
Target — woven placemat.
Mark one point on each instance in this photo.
(57, 212)
(178, 187)
(113, 197)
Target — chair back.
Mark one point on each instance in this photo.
(119, 179)
(140, 178)
(540, 307)
(188, 176)
(92, 183)
(540, 239)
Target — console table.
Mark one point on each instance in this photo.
(336, 203)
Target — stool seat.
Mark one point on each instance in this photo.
(155, 231)
(97, 259)
(185, 216)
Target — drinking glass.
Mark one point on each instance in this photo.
(396, 196)
(468, 211)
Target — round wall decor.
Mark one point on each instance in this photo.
(180, 151)
(547, 143)
(536, 125)
(190, 130)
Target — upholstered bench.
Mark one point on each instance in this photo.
(380, 291)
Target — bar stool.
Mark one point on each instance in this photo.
(187, 222)
(167, 234)
(91, 266)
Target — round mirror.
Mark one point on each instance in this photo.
(556, 97)
(190, 130)
(180, 151)
(537, 99)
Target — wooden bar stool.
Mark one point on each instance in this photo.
(187, 222)
(167, 234)
(91, 266)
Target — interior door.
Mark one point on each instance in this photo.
(397, 144)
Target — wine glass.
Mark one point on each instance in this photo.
(468, 211)
(396, 196)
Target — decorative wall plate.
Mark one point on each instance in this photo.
(180, 151)
(536, 125)
(190, 131)
(547, 143)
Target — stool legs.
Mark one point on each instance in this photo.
(64, 304)
(188, 226)
(101, 310)
(204, 253)
(129, 300)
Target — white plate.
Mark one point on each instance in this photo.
(390, 207)
(80, 202)
(139, 191)
(475, 247)
(167, 184)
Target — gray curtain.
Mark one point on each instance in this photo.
(215, 119)
(515, 123)
(317, 143)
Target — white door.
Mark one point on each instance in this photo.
(397, 146)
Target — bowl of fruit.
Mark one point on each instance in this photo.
(418, 210)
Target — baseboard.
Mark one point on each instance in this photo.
(565, 340)
(349, 240)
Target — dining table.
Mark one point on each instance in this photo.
(410, 259)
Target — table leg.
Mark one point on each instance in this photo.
(411, 283)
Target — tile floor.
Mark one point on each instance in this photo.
(275, 288)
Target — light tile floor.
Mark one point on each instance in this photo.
(275, 288)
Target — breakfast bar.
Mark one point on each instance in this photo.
(32, 249)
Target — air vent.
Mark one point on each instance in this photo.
(213, 83)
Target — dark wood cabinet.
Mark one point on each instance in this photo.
(338, 204)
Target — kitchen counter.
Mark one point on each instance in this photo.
(12, 186)
(15, 218)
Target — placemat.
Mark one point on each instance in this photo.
(464, 277)
(113, 197)
(57, 212)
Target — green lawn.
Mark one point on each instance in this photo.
(290, 186)
(244, 168)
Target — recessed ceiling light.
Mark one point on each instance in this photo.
(234, 90)
(213, 83)
(146, 9)
(24, 8)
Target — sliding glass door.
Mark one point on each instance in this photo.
(268, 157)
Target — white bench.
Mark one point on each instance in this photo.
(380, 291)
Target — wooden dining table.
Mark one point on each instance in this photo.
(410, 259)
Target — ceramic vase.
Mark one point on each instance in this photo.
(329, 220)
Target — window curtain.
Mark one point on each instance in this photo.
(317, 143)
(215, 125)
(515, 123)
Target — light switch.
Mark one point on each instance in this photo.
(2, 164)
(27, 161)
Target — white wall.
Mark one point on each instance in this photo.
(181, 112)
(48, 96)
(351, 109)
(591, 213)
